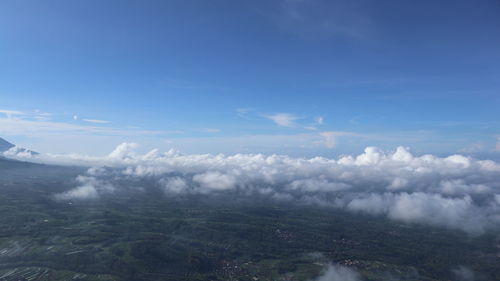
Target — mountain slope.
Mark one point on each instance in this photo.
(5, 145)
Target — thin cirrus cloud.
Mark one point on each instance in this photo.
(455, 192)
(11, 113)
(96, 121)
(34, 115)
(211, 130)
(29, 125)
(290, 120)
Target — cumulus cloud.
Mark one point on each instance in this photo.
(455, 192)
(124, 151)
(433, 209)
(174, 185)
(339, 273)
(316, 185)
(89, 188)
(19, 152)
(215, 180)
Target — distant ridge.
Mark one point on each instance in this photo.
(5, 145)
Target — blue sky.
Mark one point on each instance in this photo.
(291, 77)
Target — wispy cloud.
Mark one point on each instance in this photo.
(211, 130)
(318, 121)
(283, 119)
(34, 127)
(290, 120)
(42, 116)
(11, 113)
(330, 138)
(97, 121)
(244, 112)
(37, 114)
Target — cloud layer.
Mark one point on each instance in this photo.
(455, 191)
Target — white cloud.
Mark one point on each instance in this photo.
(35, 115)
(41, 116)
(310, 128)
(315, 185)
(174, 185)
(463, 273)
(211, 130)
(17, 151)
(330, 138)
(89, 188)
(339, 273)
(215, 180)
(318, 121)
(97, 121)
(244, 112)
(283, 119)
(459, 186)
(434, 209)
(124, 151)
(80, 192)
(11, 113)
(455, 192)
(36, 128)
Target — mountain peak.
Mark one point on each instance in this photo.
(5, 145)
